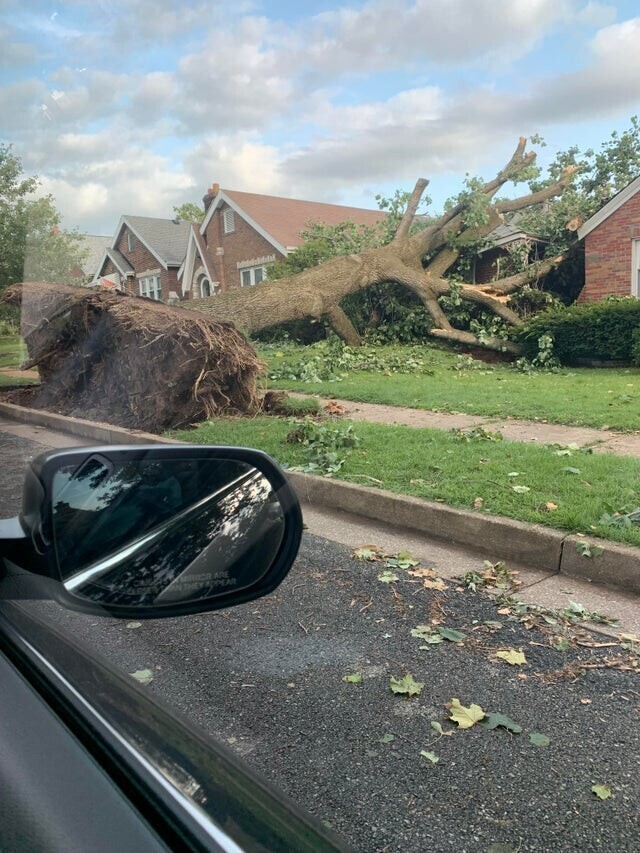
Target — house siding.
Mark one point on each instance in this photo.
(143, 261)
(240, 246)
(608, 253)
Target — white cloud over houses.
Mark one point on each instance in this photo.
(135, 106)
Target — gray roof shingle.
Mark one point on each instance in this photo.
(166, 238)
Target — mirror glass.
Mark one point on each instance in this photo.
(163, 531)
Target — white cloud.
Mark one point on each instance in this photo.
(95, 196)
(236, 162)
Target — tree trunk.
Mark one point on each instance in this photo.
(316, 293)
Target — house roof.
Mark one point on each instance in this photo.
(119, 260)
(284, 218)
(94, 247)
(610, 207)
(507, 233)
(165, 238)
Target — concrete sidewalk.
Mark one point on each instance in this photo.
(512, 429)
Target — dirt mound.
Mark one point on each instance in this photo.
(130, 361)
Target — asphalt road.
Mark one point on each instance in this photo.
(267, 679)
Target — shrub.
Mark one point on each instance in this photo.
(635, 347)
(600, 330)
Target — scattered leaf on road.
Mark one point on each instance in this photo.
(603, 792)
(451, 634)
(133, 625)
(387, 738)
(512, 657)
(465, 717)
(368, 553)
(495, 720)
(388, 577)
(437, 583)
(144, 676)
(538, 739)
(406, 686)
(430, 756)
(435, 725)
(356, 678)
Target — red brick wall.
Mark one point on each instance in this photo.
(243, 244)
(608, 254)
(142, 260)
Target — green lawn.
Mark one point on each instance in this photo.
(12, 353)
(513, 479)
(579, 396)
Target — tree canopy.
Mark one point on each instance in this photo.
(32, 244)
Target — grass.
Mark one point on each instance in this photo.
(439, 466)
(12, 353)
(579, 396)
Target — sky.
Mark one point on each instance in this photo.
(136, 106)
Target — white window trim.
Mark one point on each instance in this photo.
(635, 268)
(252, 276)
(151, 287)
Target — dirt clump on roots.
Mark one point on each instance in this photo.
(130, 361)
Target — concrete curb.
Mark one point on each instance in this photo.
(494, 536)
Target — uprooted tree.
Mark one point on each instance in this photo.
(128, 361)
(419, 261)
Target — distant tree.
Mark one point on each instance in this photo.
(190, 212)
(32, 244)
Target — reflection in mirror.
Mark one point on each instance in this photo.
(163, 531)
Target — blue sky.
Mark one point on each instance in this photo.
(134, 106)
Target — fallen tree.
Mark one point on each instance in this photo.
(420, 261)
(130, 361)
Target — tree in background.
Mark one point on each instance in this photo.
(32, 244)
(189, 212)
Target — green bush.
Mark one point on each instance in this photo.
(602, 331)
(635, 347)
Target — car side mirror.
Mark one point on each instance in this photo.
(150, 531)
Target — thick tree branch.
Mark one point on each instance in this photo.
(481, 297)
(531, 273)
(471, 340)
(553, 190)
(410, 212)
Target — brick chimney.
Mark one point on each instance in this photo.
(212, 192)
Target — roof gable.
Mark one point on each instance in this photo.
(166, 239)
(280, 220)
(610, 207)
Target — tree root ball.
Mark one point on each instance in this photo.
(130, 361)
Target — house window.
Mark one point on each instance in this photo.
(228, 221)
(635, 269)
(252, 275)
(150, 287)
(131, 241)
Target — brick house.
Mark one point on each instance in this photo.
(144, 257)
(242, 233)
(612, 247)
(495, 261)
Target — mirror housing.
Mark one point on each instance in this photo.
(151, 531)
